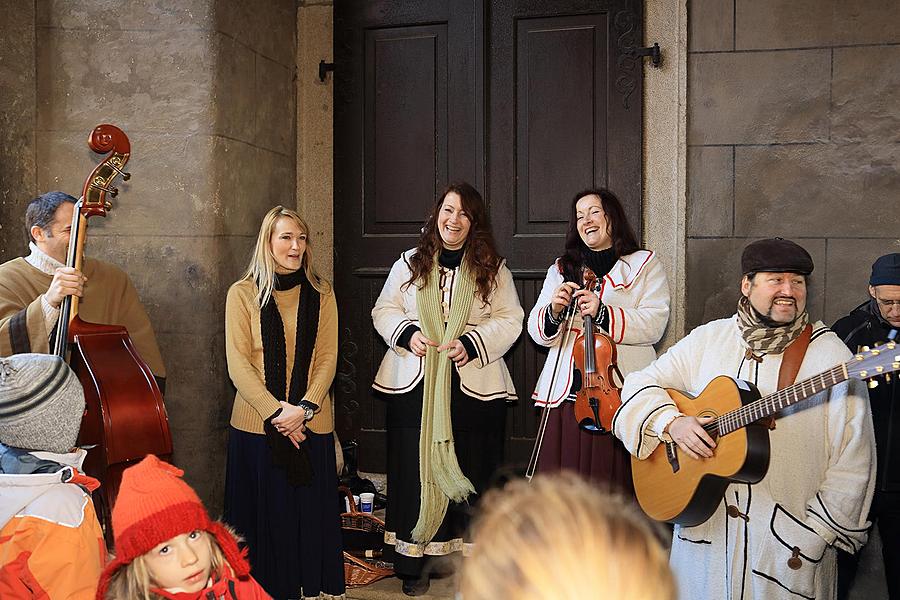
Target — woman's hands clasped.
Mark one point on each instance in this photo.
(418, 345)
(587, 301)
(291, 423)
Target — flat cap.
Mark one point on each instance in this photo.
(776, 255)
(886, 270)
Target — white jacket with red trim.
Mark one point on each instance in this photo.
(636, 294)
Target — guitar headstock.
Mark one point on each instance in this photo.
(875, 362)
(105, 138)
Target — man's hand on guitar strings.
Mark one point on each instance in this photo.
(688, 433)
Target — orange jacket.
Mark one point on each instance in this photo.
(51, 544)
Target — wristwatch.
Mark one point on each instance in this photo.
(309, 409)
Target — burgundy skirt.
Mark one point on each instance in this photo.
(598, 457)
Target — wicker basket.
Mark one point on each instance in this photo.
(362, 531)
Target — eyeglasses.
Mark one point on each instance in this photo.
(888, 303)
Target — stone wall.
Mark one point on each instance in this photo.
(17, 116)
(315, 139)
(793, 124)
(204, 89)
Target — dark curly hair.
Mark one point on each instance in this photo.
(620, 232)
(481, 252)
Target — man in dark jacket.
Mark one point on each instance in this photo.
(869, 324)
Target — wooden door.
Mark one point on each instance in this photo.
(529, 101)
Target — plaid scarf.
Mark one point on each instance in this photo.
(762, 337)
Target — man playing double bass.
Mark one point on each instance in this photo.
(775, 538)
(33, 287)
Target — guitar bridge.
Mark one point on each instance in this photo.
(672, 456)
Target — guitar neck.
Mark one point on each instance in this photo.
(769, 405)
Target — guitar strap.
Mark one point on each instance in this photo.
(793, 357)
(790, 364)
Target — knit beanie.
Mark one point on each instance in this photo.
(41, 403)
(886, 270)
(153, 506)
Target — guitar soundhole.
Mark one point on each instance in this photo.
(712, 428)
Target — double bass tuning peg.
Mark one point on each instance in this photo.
(125, 175)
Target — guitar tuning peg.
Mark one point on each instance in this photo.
(887, 377)
(107, 205)
(873, 384)
(115, 192)
(865, 348)
(126, 176)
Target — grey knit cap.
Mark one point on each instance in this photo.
(41, 403)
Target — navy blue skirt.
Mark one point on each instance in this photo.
(293, 532)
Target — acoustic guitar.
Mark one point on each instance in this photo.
(671, 486)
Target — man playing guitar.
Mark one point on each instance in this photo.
(776, 537)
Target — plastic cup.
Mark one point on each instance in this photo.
(366, 501)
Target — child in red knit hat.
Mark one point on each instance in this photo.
(167, 546)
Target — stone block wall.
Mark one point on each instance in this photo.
(315, 139)
(793, 124)
(205, 91)
(17, 115)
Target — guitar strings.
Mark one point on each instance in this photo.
(764, 407)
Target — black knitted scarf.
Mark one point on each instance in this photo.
(296, 464)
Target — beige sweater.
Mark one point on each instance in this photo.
(109, 298)
(244, 351)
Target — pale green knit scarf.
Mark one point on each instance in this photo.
(442, 479)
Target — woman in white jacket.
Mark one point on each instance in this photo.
(448, 313)
(629, 301)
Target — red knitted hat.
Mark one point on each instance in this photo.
(154, 505)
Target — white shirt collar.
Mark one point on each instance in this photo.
(41, 261)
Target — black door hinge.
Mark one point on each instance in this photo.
(652, 51)
(324, 67)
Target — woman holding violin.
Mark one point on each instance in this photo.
(281, 332)
(448, 313)
(605, 279)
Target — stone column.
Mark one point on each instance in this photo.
(17, 115)
(204, 89)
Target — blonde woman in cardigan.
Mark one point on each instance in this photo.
(448, 313)
(630, 302)
(281, 345)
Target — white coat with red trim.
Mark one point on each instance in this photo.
(636, 294)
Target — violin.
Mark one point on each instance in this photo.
(595, 359)
(125, 417)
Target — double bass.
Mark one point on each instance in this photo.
(125, 417)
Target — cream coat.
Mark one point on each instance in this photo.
(636, 294)
(492, 328)
(818, 488)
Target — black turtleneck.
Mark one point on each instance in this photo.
(450, 259)
(599, 261)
